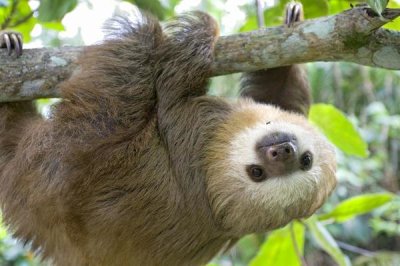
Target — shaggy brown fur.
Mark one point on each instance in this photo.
(287, 88)
(133, 166)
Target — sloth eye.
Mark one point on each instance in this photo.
(306, 161)
(256, 173)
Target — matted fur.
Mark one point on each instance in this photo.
(135, 163)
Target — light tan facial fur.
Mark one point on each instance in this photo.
(279, 199)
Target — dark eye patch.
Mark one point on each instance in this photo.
(306, 161)
(256, 173)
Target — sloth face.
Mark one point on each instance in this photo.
(275, 168)
(279, 155)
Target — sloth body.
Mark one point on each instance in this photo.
(137, 166)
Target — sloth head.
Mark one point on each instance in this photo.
(266, 168)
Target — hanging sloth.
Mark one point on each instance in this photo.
(138, 166)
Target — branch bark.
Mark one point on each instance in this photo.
(353, 36)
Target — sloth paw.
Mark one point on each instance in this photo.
(294, 13)
(12, 41)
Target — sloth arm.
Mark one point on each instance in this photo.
(288, 86)
(146, 74)
(185, 60)
(113, 93)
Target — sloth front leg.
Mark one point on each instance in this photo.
(12, 41)
(185, 59)
(288, 86)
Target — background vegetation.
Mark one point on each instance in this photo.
(356, 107)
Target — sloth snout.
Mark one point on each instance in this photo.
(279, 152)
(282, 152)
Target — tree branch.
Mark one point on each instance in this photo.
(352, 36)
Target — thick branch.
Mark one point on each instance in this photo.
(352, 36)
(36, 73)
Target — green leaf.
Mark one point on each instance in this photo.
(325, 240)
(335, 7)
(314, 9)
(279, 248)
(378, 5)
(356, 206)
(394, 24)
(275, 15)
(25, 28)
(55, 10)
(338, 129)
(251, 24)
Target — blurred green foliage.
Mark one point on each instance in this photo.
(360, 222)
(358, 205)
(12, 253)
(338, 129)
(54, 10)
(325, 240)
(282, 247)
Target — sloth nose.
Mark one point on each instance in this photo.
(281, 152)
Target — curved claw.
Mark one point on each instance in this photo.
(11, 40)
(16, 44)
(7, 43)
(294, 13)
(21, 43)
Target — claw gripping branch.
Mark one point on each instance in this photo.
(12, 41)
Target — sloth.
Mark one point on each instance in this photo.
(138, 166)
